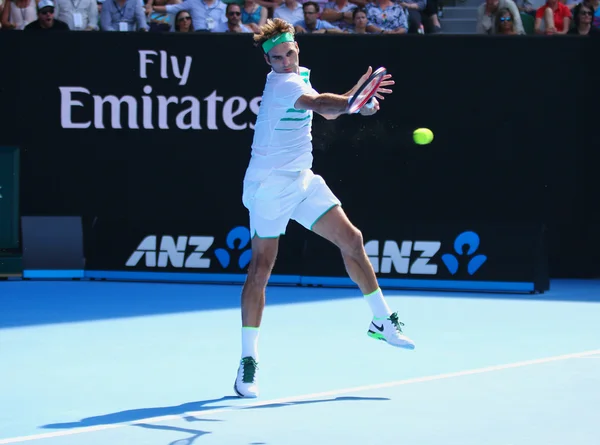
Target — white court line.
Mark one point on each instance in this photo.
(319, 395)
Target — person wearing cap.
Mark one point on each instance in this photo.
(279, 185)
(46, 18)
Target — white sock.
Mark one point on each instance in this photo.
(250, 342)
(378, 304)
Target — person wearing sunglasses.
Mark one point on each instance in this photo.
(233, 13)
(46, 19)
(583, 15)
(183, 22)
(505, 23)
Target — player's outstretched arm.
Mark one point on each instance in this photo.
(324, 104)
(330, 106)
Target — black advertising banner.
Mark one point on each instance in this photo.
(204, 250)
(503, 257)
(9, 197)
(147, 137)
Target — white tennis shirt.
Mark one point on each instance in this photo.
(282, 134)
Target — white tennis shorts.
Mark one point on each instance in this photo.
(301, 196)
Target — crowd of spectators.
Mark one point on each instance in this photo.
(307, 16)
(545, 17)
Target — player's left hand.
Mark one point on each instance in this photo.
(366, 111)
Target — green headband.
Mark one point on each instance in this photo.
(281, 38)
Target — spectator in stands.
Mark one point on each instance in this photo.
(386, 17)
(529, 6)
(583, 15)
(311, 23)
(162, 21)
(254, 15)
(46, 20)
(183, 22)
(17, 14)
(553, 18)
(339, 13)
(290, 11)
(595, 5)
(79, 16)
(488, 11)
(505, 23)
(233, 12)
(413, 9)
(429, 17)
(206, 14)
(359, 19)
(123, 15)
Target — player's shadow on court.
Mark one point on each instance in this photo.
(195, 434)
(138, 416)
(309, 402)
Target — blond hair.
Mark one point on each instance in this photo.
(271, 29)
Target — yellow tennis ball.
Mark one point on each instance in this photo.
(423, 136)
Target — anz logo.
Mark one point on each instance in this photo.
(193, 252)
(465, 245)
(423, 257)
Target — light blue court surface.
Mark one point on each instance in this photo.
(104, 363)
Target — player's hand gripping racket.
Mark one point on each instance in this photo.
(365, 93)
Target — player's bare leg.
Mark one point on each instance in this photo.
(264, 253)
(335, 227)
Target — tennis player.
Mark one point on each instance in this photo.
(280, 186)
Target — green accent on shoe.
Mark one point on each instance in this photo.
(251, 327)
(376, 336)
(250, 366)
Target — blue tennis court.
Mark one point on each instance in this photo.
(87, 362)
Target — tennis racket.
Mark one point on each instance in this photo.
(366, 91)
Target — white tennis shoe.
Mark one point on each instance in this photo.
(246, 384)
(390, 330)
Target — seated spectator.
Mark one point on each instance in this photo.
(505, 23)
(290, 11)
(553, 18)
(529, 6)
(233, 12)
(386, 17)
(339, 13)
(46, 20)
(183, 22)
(79, 16)
(17, 14)
(162, 21)
(430, 19)
(488, 11)
(311, 23)
(582, 16)
(595, 5)
(413, 8)
(359, 18)
(206, 14)
(254, 15)
(123, 15)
